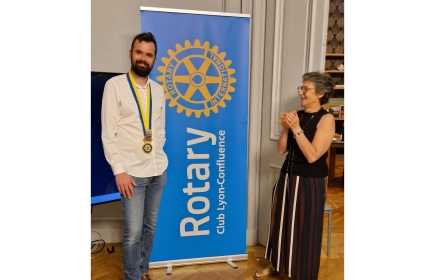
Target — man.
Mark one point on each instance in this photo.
(133, 135)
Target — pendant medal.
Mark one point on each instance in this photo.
(147, 147)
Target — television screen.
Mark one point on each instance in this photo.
(103, 186)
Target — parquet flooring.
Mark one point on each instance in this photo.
(105, 266)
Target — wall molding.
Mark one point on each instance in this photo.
(308, 35)
(247, 7)
(308, 63)
(319, 5)
(257, 10)
(275, 129)
(225, 6)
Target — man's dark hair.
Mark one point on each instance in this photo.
(147, 37)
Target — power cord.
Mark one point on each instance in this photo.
(95, 243)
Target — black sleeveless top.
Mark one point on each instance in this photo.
(295, 162)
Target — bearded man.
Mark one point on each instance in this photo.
(133, 136)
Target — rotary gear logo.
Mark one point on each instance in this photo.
(196, 79)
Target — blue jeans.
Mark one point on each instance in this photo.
(140, 219)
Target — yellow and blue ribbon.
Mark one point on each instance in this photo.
(149, 103)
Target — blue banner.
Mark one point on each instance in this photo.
(203, 65)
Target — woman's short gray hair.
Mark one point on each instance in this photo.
(323, 83)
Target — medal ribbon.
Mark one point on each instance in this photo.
(149, 104)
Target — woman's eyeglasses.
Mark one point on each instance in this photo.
(304, 89)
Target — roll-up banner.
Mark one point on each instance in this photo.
(203, 66)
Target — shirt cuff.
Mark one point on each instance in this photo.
(117, 168)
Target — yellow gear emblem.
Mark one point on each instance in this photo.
(196, 78)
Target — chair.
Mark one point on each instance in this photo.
(328, 209)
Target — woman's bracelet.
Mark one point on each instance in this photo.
(299, 133)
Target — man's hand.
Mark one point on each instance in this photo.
(125, 184)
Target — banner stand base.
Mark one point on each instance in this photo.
(228, 259)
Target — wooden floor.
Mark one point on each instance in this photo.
(105, 266)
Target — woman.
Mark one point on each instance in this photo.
(296, 225)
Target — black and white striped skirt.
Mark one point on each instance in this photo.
(296, 226)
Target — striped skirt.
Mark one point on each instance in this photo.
(296, 226)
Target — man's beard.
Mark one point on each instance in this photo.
(141, 71)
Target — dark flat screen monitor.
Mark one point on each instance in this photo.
(103, 186)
